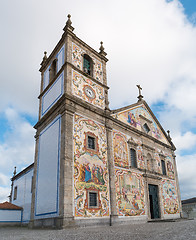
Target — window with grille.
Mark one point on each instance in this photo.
(93, 199)
(163, 167)
(146, 128)
(91, 142)
(15, 193)
(133, 158)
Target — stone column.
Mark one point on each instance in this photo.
(68, 168)
(113, 210)
(177, 184)
(31, 222)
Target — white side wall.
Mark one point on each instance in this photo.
(24, 194)
(47, 182)
(10, 215)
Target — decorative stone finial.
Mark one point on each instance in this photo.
(101, 52)
(14, 173)
(68, 24)
(168, 134)
(140, 93)
(44, 59)
(101, 47)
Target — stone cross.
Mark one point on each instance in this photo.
(140, 93)
(139, 87)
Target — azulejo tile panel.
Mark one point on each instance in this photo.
(140, 158)
(77, 56)
(77, 60)
(129, 193)
(90, 169)
(120, 150)
(169, 166)
(170, 197)
(132, 117)
(157, 162)
(87, 90)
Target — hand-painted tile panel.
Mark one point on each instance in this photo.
(170, 197)
(169, 166)
(87, 90)
(77, 60)
(90, 168)
(129, 193)
(132, 117)
(120, 150)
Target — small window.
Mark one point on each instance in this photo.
(87, 65)
(91, 142)
(146, 128)
(133, 158)
(93, 199)
(15, 193)
(163, 167)
(53, 69)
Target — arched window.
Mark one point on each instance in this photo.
(87, 65)
(133, 158)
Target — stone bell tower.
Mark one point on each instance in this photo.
(70, 134)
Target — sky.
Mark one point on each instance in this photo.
(148, 42)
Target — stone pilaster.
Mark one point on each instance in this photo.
(177, 184)
(68, 169)
(113, 210)
(31, 223)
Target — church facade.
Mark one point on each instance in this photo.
(94, 165)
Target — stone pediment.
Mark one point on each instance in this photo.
(141, 117)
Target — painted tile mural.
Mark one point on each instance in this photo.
(129, 193)
(140, 158)
(90, 168)
(169, 166)
(132, 117)
(77, 61)
(87, 90)
(120, 150)
(157, 163)
(169, 195)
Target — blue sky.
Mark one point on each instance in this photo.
(149, 42)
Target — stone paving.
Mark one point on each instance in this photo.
(180, 230)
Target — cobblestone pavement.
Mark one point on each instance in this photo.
(181, 230)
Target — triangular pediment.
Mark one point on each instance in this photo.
(141, 117)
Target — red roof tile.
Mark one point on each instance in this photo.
(7, 205)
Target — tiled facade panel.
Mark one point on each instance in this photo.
(130, 196)
(87, 90)
(169, 197)
(77, 61)
(53, 94)
(133, 117)
(47, 184)
(90, 168)
(24, 194)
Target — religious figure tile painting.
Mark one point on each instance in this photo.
(132, 117)
(90, 169)
(129, 193)
(170, 198)
(120, 150)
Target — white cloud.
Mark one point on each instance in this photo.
(186, 172)
(185, 141)
(4, 193)
(18, 147)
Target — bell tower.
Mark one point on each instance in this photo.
(73, 103)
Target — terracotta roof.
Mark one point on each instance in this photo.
(7, 205)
